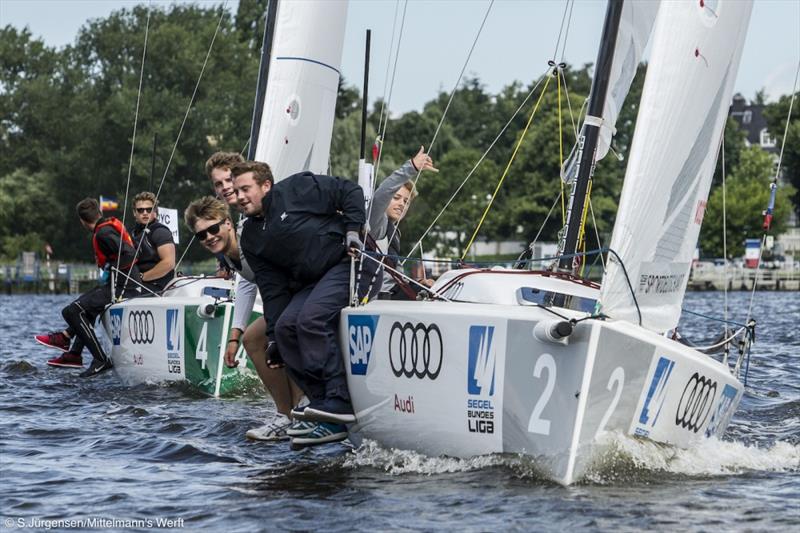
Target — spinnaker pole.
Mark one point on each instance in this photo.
(263, 75)
(587, 142)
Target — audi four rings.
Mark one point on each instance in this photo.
(415, 350)
(693, 410)
(142, 327)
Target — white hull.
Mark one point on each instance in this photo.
(465, 379)
(165, 339)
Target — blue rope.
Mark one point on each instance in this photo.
(713, 318)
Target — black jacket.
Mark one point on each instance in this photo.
(152, 237)
(300, 235)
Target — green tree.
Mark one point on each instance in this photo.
(776, 115)
(747, 188)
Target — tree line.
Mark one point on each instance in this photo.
(66, 128)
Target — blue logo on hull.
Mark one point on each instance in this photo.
(361, 334)
(173, 331)
(116, 324)
(725, 402)
(482, 359)
(656, 395)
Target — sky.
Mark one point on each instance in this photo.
(518, 38)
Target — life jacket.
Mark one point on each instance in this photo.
(102, 259)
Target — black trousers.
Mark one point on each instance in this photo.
(81, 314)
(307, 334)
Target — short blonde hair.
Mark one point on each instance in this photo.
(145, 196)
(207, 208)
(222, 160)
(412, 189)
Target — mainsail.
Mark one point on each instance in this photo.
(693, 63)
(300, 100)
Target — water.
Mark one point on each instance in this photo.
(73, 449)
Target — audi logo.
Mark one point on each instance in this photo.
(142, 327)
(694, 408)
(415, 350)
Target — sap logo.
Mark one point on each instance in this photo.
(656, 395)
(173, 331)
(116, 325)
(361, 332)
(482, 359)
(725, 402)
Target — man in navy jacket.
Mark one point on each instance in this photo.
(296, 240)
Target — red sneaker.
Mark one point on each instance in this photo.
(67, 360)
(55, 339)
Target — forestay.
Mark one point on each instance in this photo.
(299, 104)
(694, 58)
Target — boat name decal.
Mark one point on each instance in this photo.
(660, 283)
(696, 402)
(416, 350)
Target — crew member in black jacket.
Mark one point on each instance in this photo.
(113, 248)
(296, 240)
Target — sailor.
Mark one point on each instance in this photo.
(154, 244)
(296, 239)
(390, 203)
(114, 253)
(218, 168)
(210, 220)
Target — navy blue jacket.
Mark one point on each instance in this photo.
(300, 235)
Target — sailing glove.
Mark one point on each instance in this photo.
(353, 240)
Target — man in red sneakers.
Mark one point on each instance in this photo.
(114, 252)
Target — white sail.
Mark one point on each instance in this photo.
(635, 27)
(687, 92)
(299, 104)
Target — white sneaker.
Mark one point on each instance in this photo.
(275, 430)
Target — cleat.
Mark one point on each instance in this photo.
(332, 411)
(97, 367)
(300, 428)
(323, 434)
(55, 339)
(276, 430)
(67, 360)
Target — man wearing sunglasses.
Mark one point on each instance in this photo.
(153, 240)
(296, 240)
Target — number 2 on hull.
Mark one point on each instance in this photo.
(537, 424)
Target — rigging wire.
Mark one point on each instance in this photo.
(507, 169)
(774, 183)
(130, 162)
(388, 64)
(478, 163)
(183, 123)
(724, 239)
(447, 107)
(435, 133)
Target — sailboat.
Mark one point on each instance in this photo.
(181, 334)
(544, 363)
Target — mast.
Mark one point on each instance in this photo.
(263, 74)
(590, 131)
(365, 100)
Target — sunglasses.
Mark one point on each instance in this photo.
(213, 229)
(143, 210)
